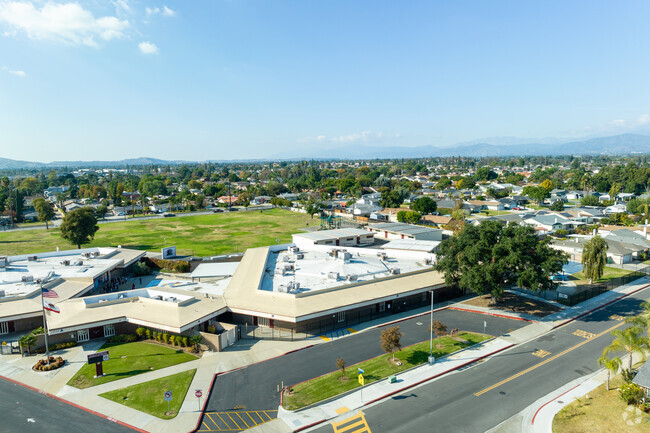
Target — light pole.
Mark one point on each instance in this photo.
(431, 358)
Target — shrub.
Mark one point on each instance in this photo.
(141, 269)
(185, 341)
(627, 375)
(123, 338)
(166, 338)
(55, 363)
(57, 346)
(148, 334)
(140, 332)
(179, 266)
(156, 335)
(172, 340)
(631, 393)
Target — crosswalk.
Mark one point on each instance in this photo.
(355, 424)
(235, 421)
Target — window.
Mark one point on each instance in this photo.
(83, 335)
(340, 316)
(4, 328)
(382, 307)
(263, 321)
(109, 330)
(424, 296)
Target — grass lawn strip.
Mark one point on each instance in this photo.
(130, 359)
(603, 412)
(609, 273)
(201, 235)
(329, 385)
(148, 397)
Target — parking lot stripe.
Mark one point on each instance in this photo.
(251, 417)
(242, 420)
(223, 421)
(206, 426)
(215, 424)
(233, 420)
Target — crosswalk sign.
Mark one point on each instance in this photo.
(361, 380)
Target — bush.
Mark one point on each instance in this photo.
(185, 341)
(55, 363)
(166, 338)
(141, 332)
(141, 269)
(148, 334)
(172, 340)
(57, 346)
(631, 393)
(179, 266)
(123, 338)
(155, 335)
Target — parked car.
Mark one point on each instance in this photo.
(169, 214)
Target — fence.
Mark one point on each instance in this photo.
(589, 291)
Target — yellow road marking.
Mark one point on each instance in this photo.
(242, 420)
(252, 420)
(521, 373)
(617, 317)
(541, 353)
(324, 337)
(222, 420)
(206, 426)
(233, 420)
(357, 420)
(352, 331)
(584, 334)
(217, 425)
(342, 410)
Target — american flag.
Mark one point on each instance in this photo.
(49, 293)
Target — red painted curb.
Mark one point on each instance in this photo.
(492, 314)
(205, 403)
(601, 306)
(310, 425)
(542, 406)
(47, 394)
(406, 318)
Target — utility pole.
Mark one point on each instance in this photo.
(47, 347)
(431, 359)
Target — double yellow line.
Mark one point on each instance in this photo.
(546, 361)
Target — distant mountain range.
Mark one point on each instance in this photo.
(624, 144)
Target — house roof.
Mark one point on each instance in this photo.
(642, 377)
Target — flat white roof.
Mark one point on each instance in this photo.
(322, 235)
(411, 245)
(206, 270)
(401, 228)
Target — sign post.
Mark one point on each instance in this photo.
(361, 382)
(168, 398)
(484, 326)
(97, 359)
(198, 393)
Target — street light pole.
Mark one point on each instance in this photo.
(431, 331)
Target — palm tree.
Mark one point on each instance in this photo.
(594, 257)
(611, 364)
(628, 340)
(27, 341)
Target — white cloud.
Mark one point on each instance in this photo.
(165, 11)
(17, 73)
(122, 6)
(168, 12)
(68, 23)
(643, 119)
(357, 137)
(148, 48)
(152, 11)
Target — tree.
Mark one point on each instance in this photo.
(594, 257)
(459, 214)
(492, 256)
(44, 210)
(590, 200)
(536, 193)
(79, 226)
(313, 208)
(27, 341)
(439, 329)
(101, 211)
(391, 199)
(628, 340)
(411, 217)
(558, 206)
(547, 185)
(611, 364)
(340, 363)
(390, 340)
(424, 205)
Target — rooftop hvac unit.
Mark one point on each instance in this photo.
(94, 254)
(333, 252)
(394, 271)
(333, 276)
(32, 258)
(3, 262)
(344, 255)
(158, 297)
(283, 289)
(79, 263)
(27, 279)
(285, 258)
(65, 262)
(39, 281)
(293, 249)
(2, 293)
(300, 256)
(289, 267)
(351, 277)
(172, 299)
(427, 261)
(294, 285)
(85, 255)
(280, 271)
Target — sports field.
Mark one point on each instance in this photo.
(201, 235)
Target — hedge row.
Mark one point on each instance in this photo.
(55, 363)
(58, 346)
(123, 338)
(179, 266)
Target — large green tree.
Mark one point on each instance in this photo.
(492, 256)
(424, 205)
(44, 210)
(410, 217)
(79, 226)
(594, 257)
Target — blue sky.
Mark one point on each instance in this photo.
(231, 79)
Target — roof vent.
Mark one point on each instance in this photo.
(351, 277)
(394, 271)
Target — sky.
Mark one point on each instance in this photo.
(233, 79)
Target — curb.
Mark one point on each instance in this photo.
(552, 400)
(414, 384)
(47, 394)
(600, 306)
(492, 314)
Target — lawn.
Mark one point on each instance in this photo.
(201, 235)
(148, 397)
(129, 359)
(329, 385)
(608, 274)
(602, 412)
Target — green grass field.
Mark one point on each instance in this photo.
(129, 359)
(329, 385)
(201, 235)
(608, 274)
(148, 397)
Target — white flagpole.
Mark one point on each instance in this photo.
(47, 347)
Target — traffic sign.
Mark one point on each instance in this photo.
(168, 395)
(198, 393)
(361, 380)
(360, 371)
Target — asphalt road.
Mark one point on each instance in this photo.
(481, 397)
(25, 411)
(232, 391)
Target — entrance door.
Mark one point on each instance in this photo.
(83, 335)
(97, 332)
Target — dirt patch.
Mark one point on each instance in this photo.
(512, 302)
